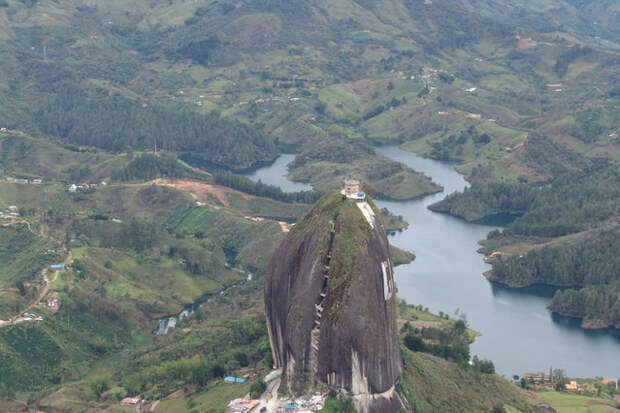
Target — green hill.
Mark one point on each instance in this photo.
(515, 93)
(233, 83)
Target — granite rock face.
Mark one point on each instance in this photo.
(329, 298)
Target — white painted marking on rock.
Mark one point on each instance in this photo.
(368, 213)
(387, 285)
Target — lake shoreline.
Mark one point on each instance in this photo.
(447, 276)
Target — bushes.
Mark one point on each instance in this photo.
(498, 408)
(98, 385)
(338, 405)
(456, 352)
(569, 56)
(257, 388)
(483, 366)
(590, 123)
(188, 370)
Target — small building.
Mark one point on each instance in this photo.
(130, 401)
(13, 208)
(537, 377)
(572, 386)
(234, 380)
(57, 266)
(72, 188)
(37, 181)
(352, 190)
(53, 302)
(242, 405)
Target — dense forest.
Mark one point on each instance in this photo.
(572, 203)
(483, 200)
(246, 185)
(581, 205)
(592, 265)
(118, 124)
(597, 306)
(149, 166)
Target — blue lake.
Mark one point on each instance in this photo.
(519, 333)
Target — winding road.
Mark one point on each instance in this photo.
(20, 317)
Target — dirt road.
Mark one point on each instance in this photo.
(33, 303)
(269, 399)
(201, 189)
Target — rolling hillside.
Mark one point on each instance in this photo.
(167, 101)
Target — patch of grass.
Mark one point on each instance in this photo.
(219, 396)
(435, 385)
(334, 405)
(341, 104)
(573, 403)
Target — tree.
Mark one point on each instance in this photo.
(559, 377)
(98, 385)
(415, 343)
(257, 388)
(499, 408)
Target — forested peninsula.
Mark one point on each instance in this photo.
(566, 235)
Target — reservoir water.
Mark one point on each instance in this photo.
(275, 174)
(519, 333)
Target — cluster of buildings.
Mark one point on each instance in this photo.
(11, 212)
(306, 404)
(538, 377)
(84, 186)
(27, 317)
(36, 181)
(52, 302)
(242, 406)
(546, 381)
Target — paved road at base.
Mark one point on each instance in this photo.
(272, 389)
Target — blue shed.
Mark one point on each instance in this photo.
(57, 266)
(231, 379)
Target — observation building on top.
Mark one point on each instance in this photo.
(352, 190)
